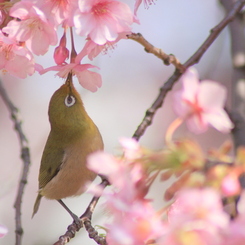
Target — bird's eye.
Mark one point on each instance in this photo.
(70, 100)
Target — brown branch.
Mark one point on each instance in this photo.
(167, 86)
(86, 218)
(25, 156)
(149, 48)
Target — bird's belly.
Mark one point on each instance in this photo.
(68, 182)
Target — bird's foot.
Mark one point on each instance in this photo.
(77, 221)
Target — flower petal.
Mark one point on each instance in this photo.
(190, 83)
(220, 121)
(211, 95)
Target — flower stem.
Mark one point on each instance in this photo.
(73, 51)
(171, 129)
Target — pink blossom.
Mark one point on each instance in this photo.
(102, 20)
(196, 217)
(15, 59)
(3, 231)
(183, 234)
(203, 205)
(132, 149)
(119, 173)
(93, 49)
(126, 176)
(201, 104)
(33, 28)
(59, 11)
(136, 226)
(134, 220)
(103, 163)
(88, 79)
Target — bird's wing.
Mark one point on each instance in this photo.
(51, 162)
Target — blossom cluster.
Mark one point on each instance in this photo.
(30, 27)
(134, 219)
(195, 215)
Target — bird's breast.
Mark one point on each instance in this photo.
(73, 176)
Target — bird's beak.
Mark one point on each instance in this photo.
(69, 79)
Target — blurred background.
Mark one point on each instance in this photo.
(131, 81)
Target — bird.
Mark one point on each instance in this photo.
(73, 136)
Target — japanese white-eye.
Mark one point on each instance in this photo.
(73, 136)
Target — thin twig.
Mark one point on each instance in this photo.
(149, 48)
(25, 156)
(168, 85)
(86, 218)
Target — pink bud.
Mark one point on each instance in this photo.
(60, 55)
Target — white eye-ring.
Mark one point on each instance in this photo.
(70, 100)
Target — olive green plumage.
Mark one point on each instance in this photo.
(72, 138)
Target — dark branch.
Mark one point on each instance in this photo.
(86, 218)
(149, 48)
(25, 156)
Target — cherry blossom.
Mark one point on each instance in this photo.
(131, 147)
(198, 204)
(196, 217)
(59, 11)
(137, 226)
(134, 219)
(93, 49)
(199, 104)
(88, 79)
(102, 20)
(12, 54)
(32, 27)
(119, 172)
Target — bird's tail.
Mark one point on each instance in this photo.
(36, 205)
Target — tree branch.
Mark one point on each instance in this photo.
(167, 86)
(25, 156)
(149, 48)
(86, 218)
